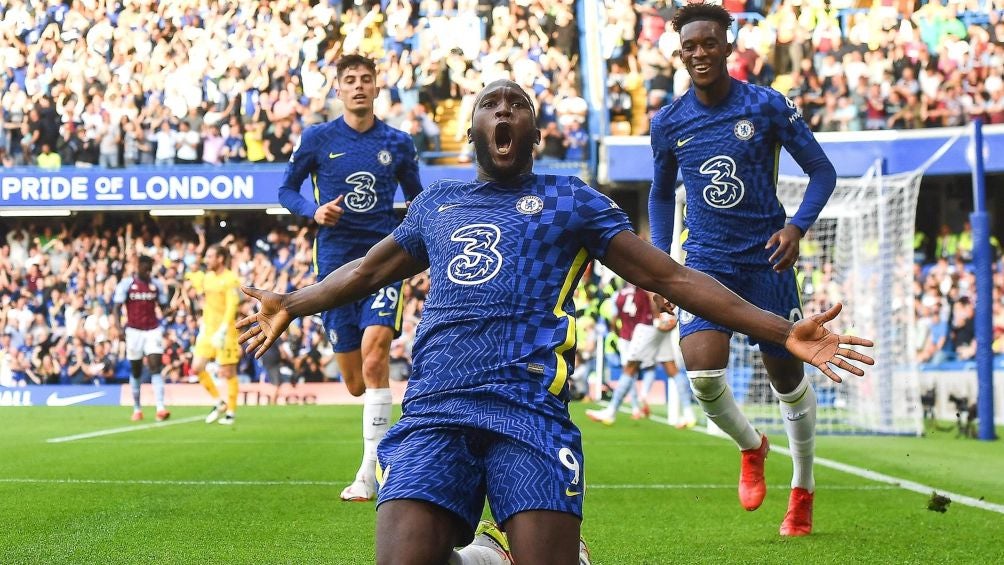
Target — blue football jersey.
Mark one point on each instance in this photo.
(366, 168)
(498, 328)
(729, 158)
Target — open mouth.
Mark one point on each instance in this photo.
(702, 68)
(503, 138)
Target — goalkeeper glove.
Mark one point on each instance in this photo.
(219, 338)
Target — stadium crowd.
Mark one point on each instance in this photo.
(57, 282)
(848, 65)
(191, 81)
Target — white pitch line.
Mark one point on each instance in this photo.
(730, 486)
(160, 482)
(888, 479)
(124, 429)
(881, 478)
(219, 441)
(901, 483)
(228, 483)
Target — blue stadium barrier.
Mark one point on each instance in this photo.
(238, 186)
(629, 158)
(59, 396)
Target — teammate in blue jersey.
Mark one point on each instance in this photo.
(485, 413)
(355, 164)
(725, 136)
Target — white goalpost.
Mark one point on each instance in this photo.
(859, 253)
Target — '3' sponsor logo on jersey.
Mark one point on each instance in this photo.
(725, 189)
(479, 261)
(363, 196)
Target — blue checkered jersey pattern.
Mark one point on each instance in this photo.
(729, 157)
(498, 328)
(364, 167)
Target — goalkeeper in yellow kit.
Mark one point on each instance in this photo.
(217, 339)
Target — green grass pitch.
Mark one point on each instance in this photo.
(266, 491)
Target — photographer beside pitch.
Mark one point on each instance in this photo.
(485, 413)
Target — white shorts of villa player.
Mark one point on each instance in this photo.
(649, 346)
(140, 343)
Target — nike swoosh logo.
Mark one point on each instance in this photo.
(382, 314)
(682, 142)
(55, 400)
(570, 492)
(445, 207)
(797, 417)
(335, 155)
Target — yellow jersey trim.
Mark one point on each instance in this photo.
(400, 310)
(777, 163)
(561, 372)
(317, 200)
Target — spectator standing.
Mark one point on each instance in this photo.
(48, 159)
(188, 144)
(166, 140)
(109, 135)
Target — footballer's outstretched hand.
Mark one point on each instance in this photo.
(812, 343)
(266, 325)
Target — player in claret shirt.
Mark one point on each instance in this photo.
(485, 413)
(726, 137)
(355, 164)
(141, 295)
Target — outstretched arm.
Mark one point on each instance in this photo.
(696, 292)
(385, 263)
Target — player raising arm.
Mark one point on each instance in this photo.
(485, 412)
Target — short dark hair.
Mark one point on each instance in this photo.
(702, 12)
(145, 260)
(513, 84)
(354, 60)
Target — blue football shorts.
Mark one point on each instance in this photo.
(765, 288)
(344, 326)
(457, 467)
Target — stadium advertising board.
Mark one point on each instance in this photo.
(256, 394)
(58, 396)
(181, 394)
(251, 394)
(143, 187)
(194, 186)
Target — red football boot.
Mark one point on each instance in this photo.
(752, 486)
(798, 520)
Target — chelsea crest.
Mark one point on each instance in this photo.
(744, 130)
(529, 204)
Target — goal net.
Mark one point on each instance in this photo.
(859, 253)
